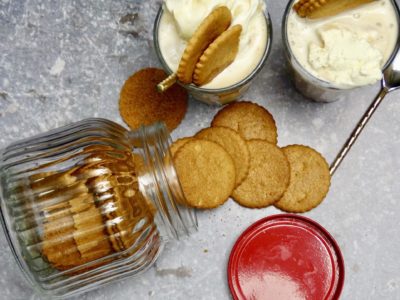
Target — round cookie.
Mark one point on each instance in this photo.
(206, 173)
(141, 104)
(220, 54)
(268, 176)
(251, 120)
(89, 235)
(179, 143)
(58, 244)
(130, 208)
(209, 29)
(234, 144)
(309, 180)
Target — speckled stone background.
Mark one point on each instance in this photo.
(62, 61)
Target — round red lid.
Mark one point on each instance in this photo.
(286, 257)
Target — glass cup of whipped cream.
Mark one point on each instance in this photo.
(177, 21)
(330, 57)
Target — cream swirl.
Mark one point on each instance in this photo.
(188, 14)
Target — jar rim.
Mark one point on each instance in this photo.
(167, 195)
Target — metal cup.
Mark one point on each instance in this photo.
(311, 86)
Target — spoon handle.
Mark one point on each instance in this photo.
(166, 83)
(357, 131)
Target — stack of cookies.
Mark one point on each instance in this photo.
(238, 156)
(92, 210)
(73, 226)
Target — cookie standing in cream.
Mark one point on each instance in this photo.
(347, 50)
(181, 18)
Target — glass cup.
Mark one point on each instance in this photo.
(311, 86)
(90, 203)
(219, 96)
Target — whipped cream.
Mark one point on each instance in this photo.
(181, 18)
(345, 58)
(349, 49)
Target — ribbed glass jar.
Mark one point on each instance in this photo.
(90, 203)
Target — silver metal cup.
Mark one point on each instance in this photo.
(311, 86)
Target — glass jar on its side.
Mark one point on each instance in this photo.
(90, 203)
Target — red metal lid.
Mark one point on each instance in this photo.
(286, 257)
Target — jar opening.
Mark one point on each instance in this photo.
(159, 182)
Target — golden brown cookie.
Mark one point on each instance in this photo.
(268, 176)
(56, 211)
(234, 144)
(220, 54)
(139, 164)
(128, 211)
(141, 104)
(117, 193)
(209, 29)
(61, 194)
(206, 173)
(250, 120)
(104, 189)
(81, 203)
(314, 9)
(114, 188)
(179, 143)
(58, 244)
(309, 179)
(89, 235)
(47, 181)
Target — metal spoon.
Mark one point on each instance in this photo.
(390, 82)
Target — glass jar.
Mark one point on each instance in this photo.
(218, 96)
(90, 203)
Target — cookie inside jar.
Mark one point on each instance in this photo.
(87, 214)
